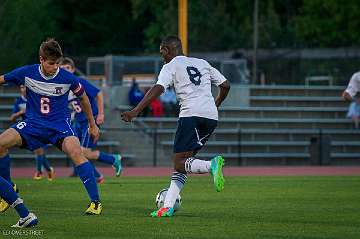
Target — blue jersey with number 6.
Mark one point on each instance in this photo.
(47, 97)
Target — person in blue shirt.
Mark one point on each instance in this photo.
(47, 121)
(18, 112)
(81, 124)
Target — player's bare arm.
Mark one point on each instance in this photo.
(346, 96)
(16, 115)
(224, 89)
(85, 105)
(2, 80)
(100, 104)
(152, 94)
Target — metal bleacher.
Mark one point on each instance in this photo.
(276, 128)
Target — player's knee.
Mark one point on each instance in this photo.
(179, 166)
(75, 154)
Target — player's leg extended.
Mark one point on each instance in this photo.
(177, 182)
(8, 139)
(38, 164)
(111, 159)
(71, 146)
(8, 194)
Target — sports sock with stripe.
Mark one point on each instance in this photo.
(177, 183)
(193, 165)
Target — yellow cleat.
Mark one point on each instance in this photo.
(37, 176)
(3, 204)
(95, 208)
(51, 174)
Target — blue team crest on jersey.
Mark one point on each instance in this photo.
(58, 90)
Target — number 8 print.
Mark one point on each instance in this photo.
(44, 105)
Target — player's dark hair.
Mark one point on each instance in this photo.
(50, 50)
(173, 42)
(67, 61)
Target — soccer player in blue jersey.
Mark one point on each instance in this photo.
(81, 124)
(19, 110)
(47, 121)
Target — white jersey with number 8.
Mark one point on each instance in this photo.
(192, 79)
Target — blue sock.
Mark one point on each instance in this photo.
(46, 164)
(9, 195)
(86, 174)
(39, 162)
(97, 174)
(5, 168)
(106, 158)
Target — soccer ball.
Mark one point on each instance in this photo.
(160, 198)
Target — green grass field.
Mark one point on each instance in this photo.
(249, 207)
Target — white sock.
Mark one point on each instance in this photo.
(177, 182)
(193, 165)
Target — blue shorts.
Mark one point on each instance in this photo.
(81, 129)
(192, 133)
(38, 134)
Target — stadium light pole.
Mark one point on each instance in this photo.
(256, 33)
(182, 19)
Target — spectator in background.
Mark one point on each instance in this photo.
(157, 109)
(135, 94)
(354, 112)
(168, 99)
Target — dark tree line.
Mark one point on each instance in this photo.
(99, 27)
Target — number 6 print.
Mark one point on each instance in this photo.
(44, 105)
(21, 125)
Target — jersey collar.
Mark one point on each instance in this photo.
(48, 77)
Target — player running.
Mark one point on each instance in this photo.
(48, 121)
(19, 110)
(81, 124)
(192, 79)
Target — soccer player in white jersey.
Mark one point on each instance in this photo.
(353, 87)
(47, 121)
(192, 79)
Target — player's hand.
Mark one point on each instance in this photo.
(128, 115)
(100, 119)
(346, 96)
(94, 132)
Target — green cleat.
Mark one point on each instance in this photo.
(117, 165)
(217, 164)
(163, 212)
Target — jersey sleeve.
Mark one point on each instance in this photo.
(76, 87)
(16, 76)
(16, 107)
(354, 85)
(89, 88)
(166, 77)
(216, 77)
